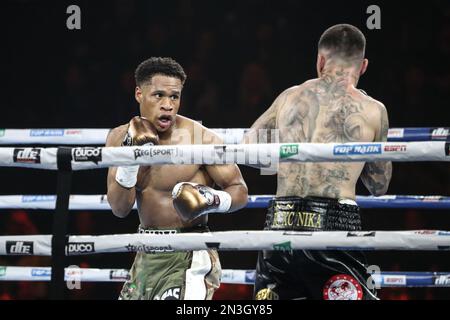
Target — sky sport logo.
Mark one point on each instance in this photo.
(87, 154)
(138, 153)
(27, 155)
(19, 247)
(357, 149)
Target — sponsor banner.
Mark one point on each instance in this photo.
(38, 198)
(357, 149)
(395, 148)
(284, 246)
(393, 280)
(20, 247)
(288, 150)
(87, 154)
(396, 133)
(46, 132)
(80, 248)
(439, 134)
(73, 132)
(41, 272)
(119, 275)
(443, 233)
(442, 280)
(27, 155)
(250, 276)
(361, 234)
(150, 153)
(426, 232)
(148, 249)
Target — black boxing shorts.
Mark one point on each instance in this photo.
(313, 274)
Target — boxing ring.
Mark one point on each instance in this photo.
(404, 144)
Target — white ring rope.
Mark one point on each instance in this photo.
(245, 154)
(232, 240)
(79, 136)
(229, 276)
(99, 202)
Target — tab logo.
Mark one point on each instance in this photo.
(357, 149)
(285, 246)
(87, 154)
(288, 150)
(27, 155)
(19, 247)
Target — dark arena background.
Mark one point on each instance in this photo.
(238, 56)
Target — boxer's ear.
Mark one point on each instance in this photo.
(364, 65)
(138, 94)
(320, 64)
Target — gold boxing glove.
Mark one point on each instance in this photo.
(140, 132)
(192, 200)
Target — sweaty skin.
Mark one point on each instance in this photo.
(328, 109)
(155, 183)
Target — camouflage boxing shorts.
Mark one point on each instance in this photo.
(191, 275)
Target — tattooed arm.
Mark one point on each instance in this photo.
(260, 131)
(377, 175)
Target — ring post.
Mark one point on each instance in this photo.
(60, 222)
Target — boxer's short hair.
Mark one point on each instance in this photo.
(343, 41)
(158, 65)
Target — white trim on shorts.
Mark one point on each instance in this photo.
(201, 265)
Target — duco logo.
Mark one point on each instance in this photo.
(288, 150)
(87, 154)
(80, 248)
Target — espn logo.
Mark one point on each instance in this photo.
(19, 247)
(80, 248)
(27, 155)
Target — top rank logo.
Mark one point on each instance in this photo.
(87, 154)
(27, 155)
(357, 149)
